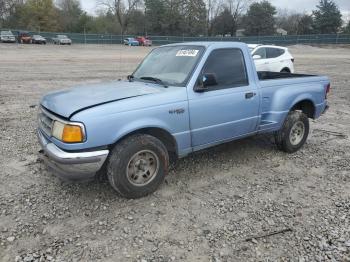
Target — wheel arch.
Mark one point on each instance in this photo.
(306, 106)
(163, 135)
(286, 69)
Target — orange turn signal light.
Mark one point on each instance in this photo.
(72, 134)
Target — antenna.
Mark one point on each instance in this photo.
(120, 60)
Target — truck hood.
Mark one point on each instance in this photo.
(70, 101)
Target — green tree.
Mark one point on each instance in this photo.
(84, 23)
(137, 23)
(295, 23)
(174, 18)
(155, 16)
(260, 19)
(223, 23)
(347, 28)
(70, 14)
(165, 17)
(104, 23)
(305, 25)
(8, 9)
(327, 17)
(122, 9)
(195, 17)
(36, 15)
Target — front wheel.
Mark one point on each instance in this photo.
(137, 166)
(293, 133)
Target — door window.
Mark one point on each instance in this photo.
(228, 68)
(274, 52)
(261, 52)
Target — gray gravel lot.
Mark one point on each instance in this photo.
(221, 204)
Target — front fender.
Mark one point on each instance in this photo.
(105, 127)
(139, 124)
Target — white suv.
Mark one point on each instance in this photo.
(272, 58)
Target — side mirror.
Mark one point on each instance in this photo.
(204, 82)
(256, 57)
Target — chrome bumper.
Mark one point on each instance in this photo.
(71, 166)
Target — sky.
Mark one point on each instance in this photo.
(293, 5)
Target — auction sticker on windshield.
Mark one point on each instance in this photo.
(188, 52)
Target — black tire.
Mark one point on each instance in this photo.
(120, 164)
(284, 138)
(285, 70)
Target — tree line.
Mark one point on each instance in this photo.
(170, 17)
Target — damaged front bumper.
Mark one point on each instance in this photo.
(71, 165)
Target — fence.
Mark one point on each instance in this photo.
(161, 40)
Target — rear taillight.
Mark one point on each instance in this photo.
(292, 60)
(328, 89)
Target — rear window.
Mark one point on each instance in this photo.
(274, 52)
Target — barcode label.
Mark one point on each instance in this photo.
(188, 52)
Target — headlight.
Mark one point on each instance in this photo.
(68, 133)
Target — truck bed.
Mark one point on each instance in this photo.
(265, 75)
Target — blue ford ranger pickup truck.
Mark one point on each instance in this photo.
(182, 98)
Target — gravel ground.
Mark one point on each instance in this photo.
(242, 201)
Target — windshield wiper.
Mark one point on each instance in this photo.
(154, 79)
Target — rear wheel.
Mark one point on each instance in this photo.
(294, 132)
(137, 166)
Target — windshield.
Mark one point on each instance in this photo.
(62, 36)
(6, 32)
(171, 64)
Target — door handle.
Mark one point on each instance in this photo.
(249, 95)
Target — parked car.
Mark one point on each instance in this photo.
(131, 42)
(38, 39)
(61, 40)
(182, 98)
(272, 58)
(144, 41)
(7, 37)
(24, 37)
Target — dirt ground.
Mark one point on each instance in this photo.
(221, 204)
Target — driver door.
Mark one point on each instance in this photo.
(229, 108)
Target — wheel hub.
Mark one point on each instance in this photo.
(297, 133)
(142, 168)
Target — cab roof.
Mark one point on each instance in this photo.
(208, 44)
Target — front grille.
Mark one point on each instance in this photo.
(45, 121)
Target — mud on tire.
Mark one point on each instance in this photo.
(137, 165)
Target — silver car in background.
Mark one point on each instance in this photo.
(61, 40)
(7, 37)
